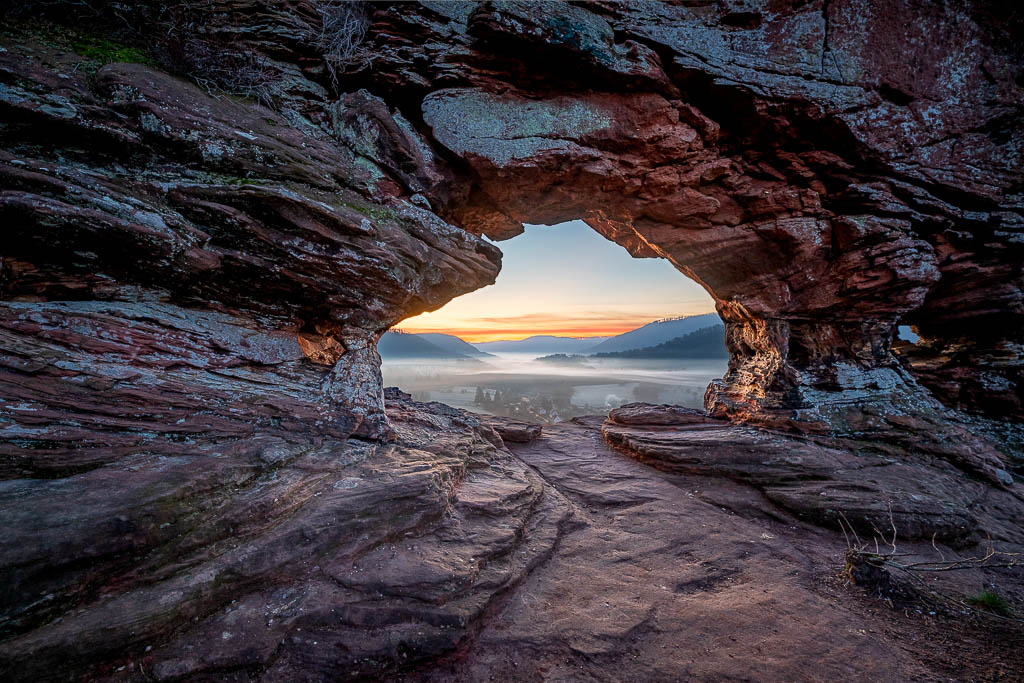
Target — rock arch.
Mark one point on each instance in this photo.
(191, 286)
(816, 184)
(810, 315)
(811, 210)
(813, 202)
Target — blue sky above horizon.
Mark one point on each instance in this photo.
(566, 280)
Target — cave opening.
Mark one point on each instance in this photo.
(573, 325)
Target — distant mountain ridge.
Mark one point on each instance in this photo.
(541, 344)
(453, 344)
(396, 345)
(654, 333)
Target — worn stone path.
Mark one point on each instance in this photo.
(663, 577)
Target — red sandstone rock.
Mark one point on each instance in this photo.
(195, 449)
(828, 217)
(659, 415)
(677, 576)
(195, 558)
(834, 483)
(512, 431)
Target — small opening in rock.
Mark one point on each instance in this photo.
(894, 95)
(907, 334)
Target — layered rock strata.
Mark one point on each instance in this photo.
(834, 483)
(820, 186)
(194, 446)
(270, 556)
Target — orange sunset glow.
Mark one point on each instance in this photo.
(567, 281)
(508, 329)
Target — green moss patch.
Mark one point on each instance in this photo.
(991, 601)
(107, 51)
(377, 213)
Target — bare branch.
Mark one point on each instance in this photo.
(874, 567)
(342, 31)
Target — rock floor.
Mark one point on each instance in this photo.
(458, 553)
(662, 577)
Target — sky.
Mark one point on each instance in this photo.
(566, 280)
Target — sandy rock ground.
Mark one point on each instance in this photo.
(664, 577)
(453, 555)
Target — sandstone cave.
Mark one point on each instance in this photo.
(212, 210)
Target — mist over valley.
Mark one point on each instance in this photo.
(548, 379)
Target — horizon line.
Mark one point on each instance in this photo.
(483, 336)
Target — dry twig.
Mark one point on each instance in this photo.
(343, 25)
(860, 555)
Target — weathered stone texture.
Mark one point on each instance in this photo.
(199, 469)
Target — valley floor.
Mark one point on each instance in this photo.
(665, 577)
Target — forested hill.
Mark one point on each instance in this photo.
(707, 342)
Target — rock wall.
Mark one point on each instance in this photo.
(193, 436)
(821, 180)
(163, 246)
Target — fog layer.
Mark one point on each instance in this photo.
(517, 385)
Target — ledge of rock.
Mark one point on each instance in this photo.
(511, 430)
(831, 483)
